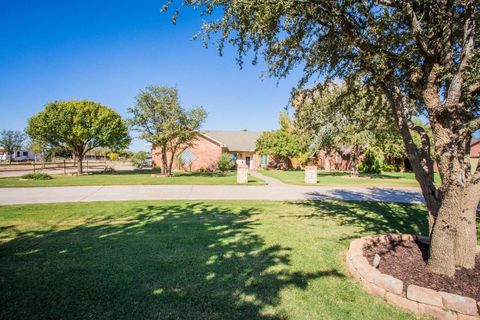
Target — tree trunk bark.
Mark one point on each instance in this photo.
(354, 161)
(454, 235)
(466, 239)
(164, 163)
(80, 165)
(442, 247)
(172, 160)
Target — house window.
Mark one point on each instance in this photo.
(18, 153)
(25, 153)
(187, 156)
(233, 156)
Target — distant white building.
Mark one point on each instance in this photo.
(23, 155)
(18, 155)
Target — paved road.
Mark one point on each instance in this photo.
(275, 190)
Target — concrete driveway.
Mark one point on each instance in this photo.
(275, 190)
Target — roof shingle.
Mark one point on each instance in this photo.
(235, 140)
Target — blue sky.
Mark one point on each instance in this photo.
(107, 51)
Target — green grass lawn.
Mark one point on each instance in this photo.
(136, 177)
(191, 260)
(342, 178)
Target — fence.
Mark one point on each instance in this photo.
(41, 166)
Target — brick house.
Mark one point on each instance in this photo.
(208, 147)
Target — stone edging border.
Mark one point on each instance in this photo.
(441, 305)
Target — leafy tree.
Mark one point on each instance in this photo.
(162, 121)
(341, 117)
(10, 141)
(225, 162)
(78, 126)
(421, 51)
(283, 143)
(139, 160)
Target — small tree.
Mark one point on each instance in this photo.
(10, 141)
(78, 126)
(372, 162)
(139, 160)
(162, 121)
(225, 162)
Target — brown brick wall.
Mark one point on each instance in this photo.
(475, 150)
(206, 152)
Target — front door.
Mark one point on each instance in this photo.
(247, 161)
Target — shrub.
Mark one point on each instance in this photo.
(372, 162)
(225, 162)
(139, 159)
(37, 176)
(391, 168)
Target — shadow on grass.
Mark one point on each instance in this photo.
(371, 218)
(192, 261)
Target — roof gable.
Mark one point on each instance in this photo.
(234, 140)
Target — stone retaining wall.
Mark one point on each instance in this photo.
(441, 305)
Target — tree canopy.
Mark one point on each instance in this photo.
(340, 117)
(78, 126)
(161, 120)
(423, 55)
(284, 143)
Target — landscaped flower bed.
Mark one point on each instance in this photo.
(413, 289)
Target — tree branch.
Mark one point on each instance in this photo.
(474, 88)
(476, 176)
(425, 139)
(474, 125)
(417, 30)
(455, 90)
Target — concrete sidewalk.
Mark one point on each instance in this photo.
(275, 190)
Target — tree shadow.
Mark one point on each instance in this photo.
(371, 217)
(189, 261)
(368, 194)
(126, 172)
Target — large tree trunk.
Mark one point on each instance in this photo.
(466, 239)
(454, 236)
(452, 206)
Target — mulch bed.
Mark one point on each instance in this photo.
(405, 260)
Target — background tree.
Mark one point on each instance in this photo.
(78, 126)
(425, 51)
(10, 141)
(346, 117)
(162, 121)
(139, 159)
(284, 143)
